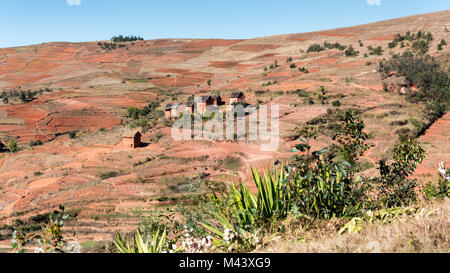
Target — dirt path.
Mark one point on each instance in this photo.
(436, 141)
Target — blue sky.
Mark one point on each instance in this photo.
(27, 22)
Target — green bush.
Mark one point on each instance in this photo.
(49, 240)
(335, 45)
(72, 134)
(122, 38)
(133, 112)
(12, 146)
(351, 52)
(375, 51)
(303, 69)
(106, 175)
(420, 47)
(440, 190)
(395, 189)
(336, 103)
(315, 48)
(35, 143)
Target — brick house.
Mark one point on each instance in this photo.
(236, 97)
(217, 100)
(131, 139)
(397, 84)
(174, 110)
(168, 111)
(203, 102)
(190, 107)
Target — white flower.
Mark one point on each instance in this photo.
(39, 250)
(72, 247)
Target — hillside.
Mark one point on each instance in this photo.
(92, 87)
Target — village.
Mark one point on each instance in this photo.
(200, 105)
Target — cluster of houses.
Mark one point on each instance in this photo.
(132, 139)
(201, 104)
(398, 84)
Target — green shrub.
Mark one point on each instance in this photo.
(315, 48)
(35, 143)
(440, 190)
(420, 47)
(12, 146)
(399, 122)
(336, 103)
(72, 134)
(122, 38)
(49, 240)
(303, 69)
(106, 175)
(351, 52)
(335, 45)
(375, 51)
(133, 112)
(395, 189)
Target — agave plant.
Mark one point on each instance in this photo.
(271, 200)
(157, 243)
(273, 196)
(244, 208)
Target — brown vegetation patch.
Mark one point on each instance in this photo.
(334, 34)
(265, 56)
(224, 64)
(383, 38)
(298, 39)
(253, 47)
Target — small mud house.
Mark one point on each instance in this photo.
(396, 84)
(203, 102)
(190, 107)
(168, 110)
(237, 97)
(174, 110)
(131, 139)
(217, 100)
